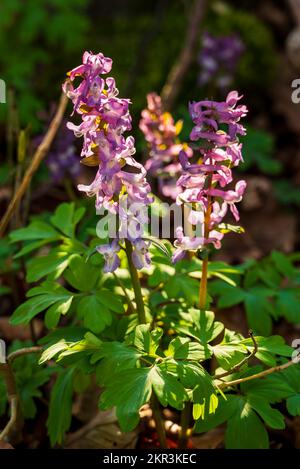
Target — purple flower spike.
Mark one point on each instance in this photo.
(202, 183)
(161, 134)
(120, 180)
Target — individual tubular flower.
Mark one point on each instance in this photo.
(204, 181)
(120, 183)
(161, 134)
(110, 254)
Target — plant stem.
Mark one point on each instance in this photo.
(159, 423)
(203, 285)
(262, 374)
(203, 282)
(186, 413)
(130, 305)
(184, 423)
(136, 285)
(142, 320)
(15, 424)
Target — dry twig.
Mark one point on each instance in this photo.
(36, 160)
(172, 87)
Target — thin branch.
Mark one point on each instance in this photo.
(23, 351)
(175, 78)
(15, 422)
(12, 424)
(239, 365)
(35, 163)
(295, 7)
(159, 421)
(262, 374)
(140, 308)
(132, 309)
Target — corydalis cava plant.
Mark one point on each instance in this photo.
(120, 180)
(203, 183)
(161, 134)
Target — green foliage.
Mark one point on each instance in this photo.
(59, 419)
(30, 377)
(135, 369)
(166, 357)
(258, 151)
(90, 301)
(247, 413)
(269, 289)
(286, 192)
(47, 33)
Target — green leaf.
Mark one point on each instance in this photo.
(32, 247)
(204, 328)
(272, 417)
(81, 275)
(224, 411)
(228, 355)
(191, 374)
(293, 405)
(79, 212)
(283, 264)
(244, 429)
(39, 267)
(227, 228)
(233, 296)
(128, 390)
(183, 286)
(63, 218)
(88, 345)
(269, 276)
(229, 295)
(258, 149)
(60, 409)
(272, 388)
(168, 390)
(182, 348)
(145, 341)
(274, 344)
(53, 350)
(288, 304)
(113, 302)
(258, 313)
(35, 230)
(204, 397)
(53, 314)
(95, 315)
(42, 298)
(159, 244)
(115, 356)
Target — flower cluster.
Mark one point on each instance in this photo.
(120, 185)
(204, 181)
(219, 58)
(161, 133)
